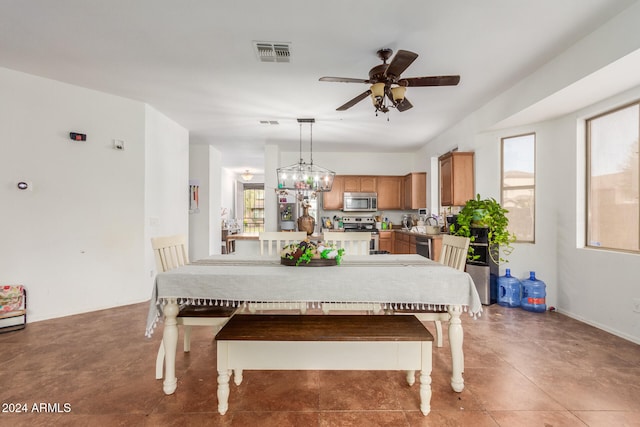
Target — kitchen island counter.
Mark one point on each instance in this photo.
(405, 242)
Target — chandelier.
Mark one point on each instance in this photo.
(247, 176)
(302, 176)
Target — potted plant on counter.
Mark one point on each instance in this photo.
(485, 216)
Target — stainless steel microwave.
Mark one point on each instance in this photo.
(360, 202)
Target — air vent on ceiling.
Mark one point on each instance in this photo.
(273, 52)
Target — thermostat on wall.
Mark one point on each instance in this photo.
(78, 136)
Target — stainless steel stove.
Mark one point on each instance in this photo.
(359, 223)
(354, 224)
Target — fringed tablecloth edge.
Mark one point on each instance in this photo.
(161, 302)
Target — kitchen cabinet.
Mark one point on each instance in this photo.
(385, 242)
(333, 200)
(390, 192)
(415, 190)
(456, 178)
(403, 243)
(356, 183)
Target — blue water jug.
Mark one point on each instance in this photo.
(534, 293)
(509, 290)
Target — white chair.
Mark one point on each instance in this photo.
(271, 242)
(453, 254)
(276, 240)
(354, 243)
(171, 252)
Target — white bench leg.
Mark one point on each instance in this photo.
(223, 391)
(425, 378)
(411, 378)
(237, 376)
(425, 392)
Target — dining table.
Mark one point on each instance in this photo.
(392, 281)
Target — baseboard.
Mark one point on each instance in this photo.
(605, 328)
(33, 317)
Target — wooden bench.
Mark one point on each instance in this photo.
(324, 342)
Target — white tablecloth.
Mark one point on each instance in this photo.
(405, 281)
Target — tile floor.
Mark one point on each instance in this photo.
(521, 369)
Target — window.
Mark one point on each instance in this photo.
(253, 216)
(613, 216)
(519, 185)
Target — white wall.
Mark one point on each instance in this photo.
(166, 181)
(594, 286)
(205, 234)
(76, 240)
(79, 240)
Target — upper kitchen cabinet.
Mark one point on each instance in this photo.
(355, 183)
(333, 200)
(415, 190)
(390, 192)
(456, 178)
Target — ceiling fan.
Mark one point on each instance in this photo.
(386, 82)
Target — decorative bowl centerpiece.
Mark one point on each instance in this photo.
(311, 254)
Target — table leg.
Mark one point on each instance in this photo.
(170, 339)
(455, 341)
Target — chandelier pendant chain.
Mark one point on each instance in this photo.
(301, 161)
(310, 143)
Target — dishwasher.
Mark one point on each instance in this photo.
(423, 246)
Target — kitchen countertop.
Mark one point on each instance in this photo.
(413, 233)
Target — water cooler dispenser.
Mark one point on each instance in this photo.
(484, 271)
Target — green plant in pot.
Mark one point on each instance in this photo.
(486, 213)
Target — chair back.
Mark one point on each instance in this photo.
(276, 240)
(352, 243)
(454, 251)
(170, 252)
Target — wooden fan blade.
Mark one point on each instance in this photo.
(400, 62)
(342, 80)
(354, 101)
(430, 81)
(404, 105)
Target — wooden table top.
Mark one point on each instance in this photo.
(289, 327)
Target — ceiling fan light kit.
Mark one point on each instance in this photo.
(386, 82)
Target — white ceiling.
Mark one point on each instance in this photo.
(194, 61)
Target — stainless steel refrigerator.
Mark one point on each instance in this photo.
(290, 209)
